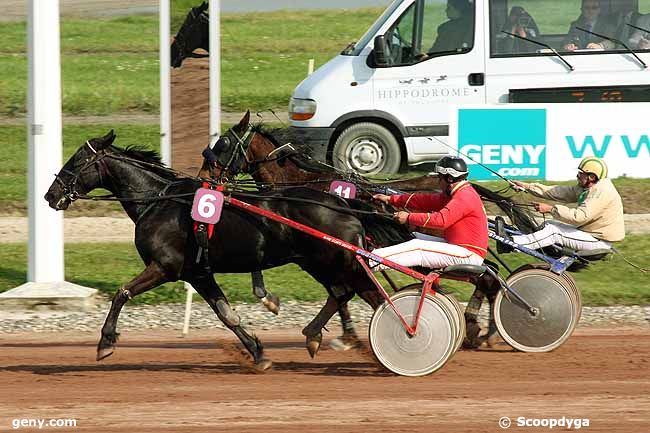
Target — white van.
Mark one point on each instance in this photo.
(375, 107)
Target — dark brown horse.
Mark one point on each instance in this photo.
(275, 160)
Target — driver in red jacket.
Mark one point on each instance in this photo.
(458, 211)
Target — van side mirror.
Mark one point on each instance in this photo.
(381, 51)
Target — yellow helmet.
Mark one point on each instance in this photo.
(593, 165)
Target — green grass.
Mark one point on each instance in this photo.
(13, 154)
(108, 266)
(111, 65)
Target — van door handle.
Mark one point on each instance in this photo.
(477, 79)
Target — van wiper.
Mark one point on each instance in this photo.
(349, 48)
(616, 41)
(542, 44)
(638, 28)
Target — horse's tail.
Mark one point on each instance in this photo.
(522, 218)
(381, 230)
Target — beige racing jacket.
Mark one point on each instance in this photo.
(599, 211)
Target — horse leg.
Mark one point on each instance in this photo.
(208, 288)
(151, 277)
(313, 331)
(473, 329)
(486, 286)
(493, 333)
(349, 339)
(269, 300)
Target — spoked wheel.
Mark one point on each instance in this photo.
(452, 302)
(429, 349)
(555, 316)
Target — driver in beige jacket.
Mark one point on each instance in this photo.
(595, 223)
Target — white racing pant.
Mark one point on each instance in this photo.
(428, 252)
(558, 233)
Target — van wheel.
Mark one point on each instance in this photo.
(367, 148)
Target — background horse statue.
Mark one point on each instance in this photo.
(193, 34)
(272, 159)
(158, 201)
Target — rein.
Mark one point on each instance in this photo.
(70, 192)
(98, 159)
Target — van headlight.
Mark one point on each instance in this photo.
(301, 109)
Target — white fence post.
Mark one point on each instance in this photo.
(310, 67)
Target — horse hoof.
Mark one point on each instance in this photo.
(104, 353)
(471, 344)
(493, 340)
(263, 365)
(272, 303)
(341, 344)
(313, 344)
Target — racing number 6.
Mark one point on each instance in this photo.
(207, 206)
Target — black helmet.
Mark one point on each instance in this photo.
(452, 166)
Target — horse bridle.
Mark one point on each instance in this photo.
(181, 40)
(69, 189)
(240, 146)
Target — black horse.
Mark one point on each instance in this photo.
(193, 34)
(158, 201)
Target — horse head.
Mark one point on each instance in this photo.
(81, 173)
(231, 151)
(193, 34)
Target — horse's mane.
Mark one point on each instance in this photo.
(280, 136)
(142, 154)
(148, 156)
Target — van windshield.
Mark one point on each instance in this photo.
(355, 50)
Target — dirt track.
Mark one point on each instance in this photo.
(158, 382)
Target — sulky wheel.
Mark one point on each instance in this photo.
(451, 301)
(555, 317)
(460, 317)
(570, 281)
(431, 346)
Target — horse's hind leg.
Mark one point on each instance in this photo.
(269, 300)
(493, 333)
(360, 284)
(151, 277)
(473, 329)
(349, 339)
(208, 288)
(313, 331)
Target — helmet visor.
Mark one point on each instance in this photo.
(450, 171)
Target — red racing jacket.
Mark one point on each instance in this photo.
(460, 215)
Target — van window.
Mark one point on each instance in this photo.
(431, 28)
(559, 23)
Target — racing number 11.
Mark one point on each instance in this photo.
(345, 193)
(343, 189)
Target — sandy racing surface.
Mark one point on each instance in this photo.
(158, 382)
